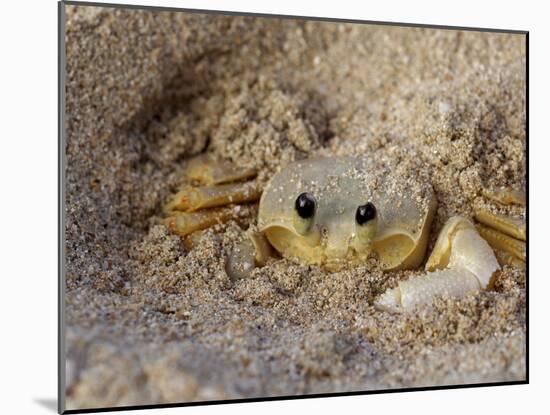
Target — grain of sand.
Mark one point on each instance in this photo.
(151, 321)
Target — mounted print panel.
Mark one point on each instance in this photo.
(270, 206)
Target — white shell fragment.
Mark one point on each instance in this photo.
(471, 266)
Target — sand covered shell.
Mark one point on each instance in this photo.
(405, 209)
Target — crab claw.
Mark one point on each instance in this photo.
(461, 262)
(253, 251)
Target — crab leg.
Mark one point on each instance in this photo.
(190, 198)
(185, 223)
(506, 196)
(505, 258)
(196, 208)
(507, 225)
(208, 170)
(503, 242)
(461, 262)
(506, 235)
(262, 248)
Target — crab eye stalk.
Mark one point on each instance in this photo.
(366, 223)
(304, 213)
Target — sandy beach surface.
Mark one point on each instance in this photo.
(149, 320)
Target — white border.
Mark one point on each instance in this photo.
(28, 171)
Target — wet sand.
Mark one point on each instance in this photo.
(152, 321)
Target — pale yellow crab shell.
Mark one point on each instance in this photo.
(405, 210)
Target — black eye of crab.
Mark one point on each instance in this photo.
(365, 213)
(305, 205)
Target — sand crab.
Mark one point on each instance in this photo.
(337, 211)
